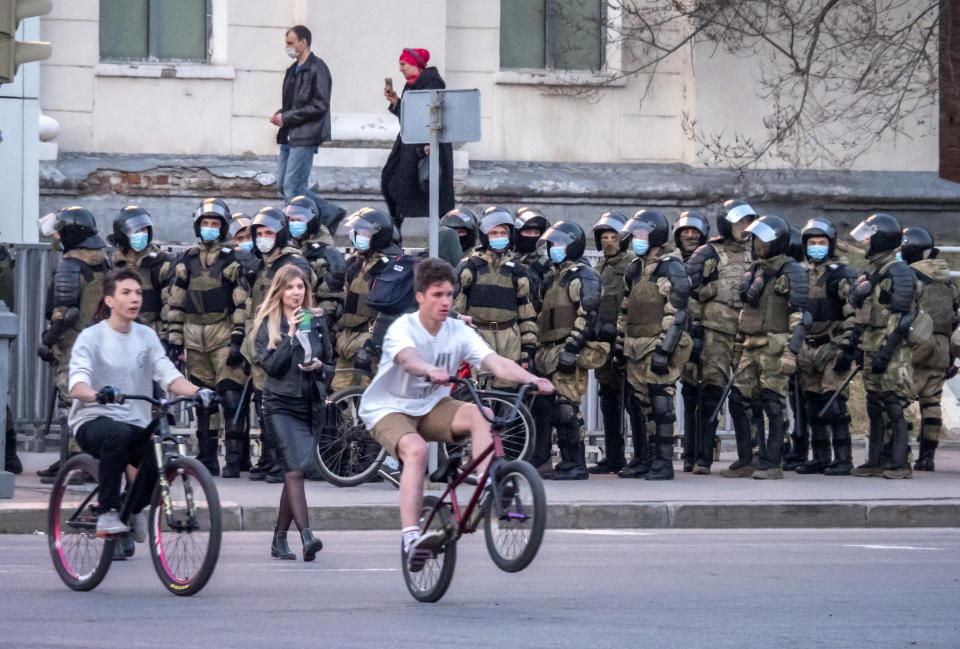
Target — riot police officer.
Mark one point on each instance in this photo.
(715, 269)
(463, 221)
(827, 353)
(495, 291)
(530, 226)
(326, 261)
(567, 349)
(611, 267)
(652, 341)
(691, 230)
(207, 317)
(772, 330)
(931, 357)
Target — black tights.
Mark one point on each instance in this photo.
(293, 502)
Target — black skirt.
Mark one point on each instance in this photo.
(293, 422)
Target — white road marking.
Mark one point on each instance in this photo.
(604, 532)
(307, 571)
(889, 547)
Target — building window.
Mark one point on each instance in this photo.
(155, 30)
(551, 34)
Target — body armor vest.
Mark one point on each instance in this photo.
(645, 304)
(938, 300)
(492, 296)
(558, 313)
(612, 270)
(722, 312)
(148, 265)
(826, 311)
(772, 313)
(356, 313)
(875, 311)
(261, 285)
(209, 299)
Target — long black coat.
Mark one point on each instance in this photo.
(399, 180)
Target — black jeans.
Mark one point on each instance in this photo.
(117, 444)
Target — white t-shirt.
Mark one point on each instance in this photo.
(393, 389)
(102, 356)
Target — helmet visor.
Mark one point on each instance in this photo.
(492, 220)
(694, 222)
(863, 231)
(357, 224)
(609, 222)
(740, 212)
(298, 213)
(762, 231)
(134, 223)
(553, 237)
(46, 224)
(817, 228)
(212, 209)
(636, 229)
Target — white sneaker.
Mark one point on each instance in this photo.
(139, 524)
(109, 523)
(424, 549)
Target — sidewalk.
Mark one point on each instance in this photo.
(928, 500)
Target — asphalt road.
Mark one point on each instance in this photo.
(587, 588)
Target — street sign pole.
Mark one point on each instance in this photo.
(436, 125)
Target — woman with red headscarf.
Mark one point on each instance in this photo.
(399, 180)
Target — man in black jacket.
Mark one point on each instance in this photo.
(303, 120)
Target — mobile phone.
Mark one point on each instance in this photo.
(305, 321)
(388, 82)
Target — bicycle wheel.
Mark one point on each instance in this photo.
(80, 557)
(513, 541)
(346, 453)
(185, 543)
(432, 582)
(517, 435)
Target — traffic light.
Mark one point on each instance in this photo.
(13, 53)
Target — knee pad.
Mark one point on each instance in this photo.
(663, 412)
(893, 405)
(566, 413)
(230, 400)
(774, 404)
(837, 412)
(227, 385)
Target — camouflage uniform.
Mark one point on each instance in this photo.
(357, 321)
(155, 267)
(327, 264)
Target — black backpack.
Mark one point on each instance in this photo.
(392, 291)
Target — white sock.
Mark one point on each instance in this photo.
(410, 534)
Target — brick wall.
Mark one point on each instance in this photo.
(949, 90)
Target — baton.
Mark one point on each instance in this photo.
(836, 394)
(243, 402)
(723, 397)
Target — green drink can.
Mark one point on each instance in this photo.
(305, 321)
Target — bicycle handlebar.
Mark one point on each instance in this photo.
(468, 383)
(191, 400)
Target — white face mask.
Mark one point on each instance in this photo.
(265, 244)
(292, 53)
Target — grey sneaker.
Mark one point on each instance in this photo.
(903, 473)
(424, 549)
(773, 473)
(139, 524)
(109, 523)
(869, 470)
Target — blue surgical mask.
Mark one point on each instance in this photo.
(499, 243)
(899, 257)
(640, 247)
(139, 241)
(817, 251)
(209, 234)
(265, 244)
(297, 229)
(362, 242)
(246, 245)
(558, 254)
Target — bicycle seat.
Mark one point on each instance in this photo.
(448, 471)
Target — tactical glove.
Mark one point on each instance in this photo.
(788, 363)
(234, 357)
(207, 397)
(567, 362)
(175, 352)
(659, 362)
(845, 358)
(46, 354)
(363, 361)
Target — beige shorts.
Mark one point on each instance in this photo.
(435, 426)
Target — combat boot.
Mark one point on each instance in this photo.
(612, 412)
(873, 468)
(689, 394)
(842, 460)
(576, 468)
(662, 466)
(899, 440)
(821, 451)
(231, 468)
(11, 462)
(797, 456)
(928, 447)
(640, 464)
(208, 446)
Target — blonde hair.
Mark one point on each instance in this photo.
(272, 308)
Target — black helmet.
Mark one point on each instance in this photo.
(731, 212)
(917, 241)
(213, 208)
(303, 208)
(819, 227)
(795, 249)
(659, 230)
(274, 220)
(130, 219)
(882, 230)
(462, 218)
(567, 234)
(376, 225)
(78, 229)
(609, 222)
(492, 217)
(772, 231)
(692, 219)
(529, 218)
(239, 221)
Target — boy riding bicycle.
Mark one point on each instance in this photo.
(408, 404)
(114, 356)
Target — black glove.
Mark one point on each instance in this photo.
(207, 397)
(46, 354)
(659, 362)
(952, 368)
(619, 360)
(363, 361)
(108, 394)
(861, 291)
(567, 362)
(234, 358)
(175, 352)
(845, 358)
(880, 361)
(608, 333)
(50, 337)
(755, 290)
(697, 336)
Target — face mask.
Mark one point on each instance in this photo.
(292, 53)
(899, 257)
(265, 244)
(640, 247)
(611, 248)
(138, 241)
(209, 234)
(527, 244)
(817, 252)
(246, 245)
(499, 243)
(558, 254)
(297, 229)
(362, 242)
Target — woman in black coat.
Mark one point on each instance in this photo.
(399, 180)
(293, 395)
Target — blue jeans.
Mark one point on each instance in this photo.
(293, 178)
